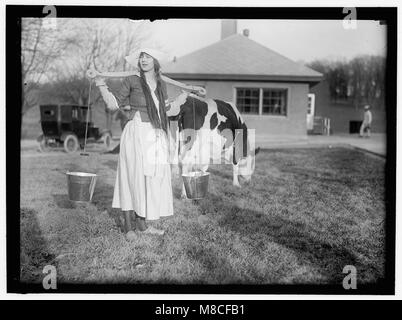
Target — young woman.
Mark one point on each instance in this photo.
(143, 189)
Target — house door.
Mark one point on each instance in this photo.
(310, 111)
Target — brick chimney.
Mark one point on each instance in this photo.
(228, 28)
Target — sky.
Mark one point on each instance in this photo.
(299, 40)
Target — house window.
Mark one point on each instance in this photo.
(262, 101)
(310, 100)
(274, 101)
(247, 100)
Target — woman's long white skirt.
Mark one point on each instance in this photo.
(143, 181)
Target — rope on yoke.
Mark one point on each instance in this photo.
(86, 126)
(194, 132)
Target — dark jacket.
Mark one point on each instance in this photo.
(131, 94)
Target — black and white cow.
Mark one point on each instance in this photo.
(220, 136)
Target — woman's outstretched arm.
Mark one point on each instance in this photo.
(108, 97)
(113, 102)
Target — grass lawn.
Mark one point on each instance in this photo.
(306, 214)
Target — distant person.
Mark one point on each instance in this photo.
(365, 128)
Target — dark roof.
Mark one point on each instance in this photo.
(238, 57)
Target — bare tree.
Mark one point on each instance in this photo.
(40, 47)
(102, 42)
(358, 81)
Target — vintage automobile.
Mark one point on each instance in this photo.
(65, 125)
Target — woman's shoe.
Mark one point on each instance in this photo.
(130, 236)
(140, 224)
(152, 230)
(142, 227)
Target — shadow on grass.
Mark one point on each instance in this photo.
(215, 267)
(34, 254)
(328, 257)
(103, 198)
(177, 192)
(62, 201)
(220, 173)
(115, 150)
(111, 164)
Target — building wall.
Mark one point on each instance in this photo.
(292, 126)
(341, 114)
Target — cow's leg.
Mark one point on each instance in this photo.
(182, 151)
(183, 192)
(235, 177)
(181, 171)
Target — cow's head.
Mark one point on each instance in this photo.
(245, 166)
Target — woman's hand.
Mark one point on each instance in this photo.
(173, 108)
(182, 97)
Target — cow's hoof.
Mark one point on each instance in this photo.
(183, 196)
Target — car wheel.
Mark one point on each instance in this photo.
(71, 143)
(107, 138)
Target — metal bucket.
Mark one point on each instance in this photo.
(81, 186)
(196, 184)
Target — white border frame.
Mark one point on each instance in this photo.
(230, 3)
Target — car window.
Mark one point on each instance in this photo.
(74, 113)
